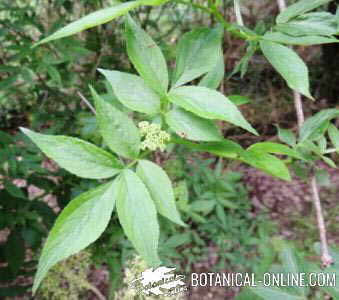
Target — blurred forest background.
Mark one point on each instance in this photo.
(39, 89)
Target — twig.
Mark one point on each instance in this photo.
(98, 59)
(237, 10)
(213, 9)
(326, 258)
(228, 26)
(96, 292)
(298, 108)
(88, 104)
(281, 4)
(84, 283)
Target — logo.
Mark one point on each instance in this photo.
(159, 281)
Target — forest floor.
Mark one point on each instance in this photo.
(288, 204)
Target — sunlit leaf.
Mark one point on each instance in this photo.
(138, 216)
(289, 65)
(93, 19)
(76, 156)
(81, 222)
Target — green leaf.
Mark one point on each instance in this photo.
(54, 74)
(320, 23)
(76, 156)
(146, 57)
(333, 133)
(329, 162)
(13, 291)
(80, 223)
(242, 66)
(13, 189)
(299, 8)
(94, 19)
(322, 144)
(177, 240)
(313, 124)
(269, 293)
(287, 136)
(289, 260)
(279, 37)
(305, 148)
(226, 148)
(192, 127)
(289, 65)
(132, 91)
(197, 53)
(118, 131)
(269, 147)
(153, 2)
(216, 75)
(138, 216)
(318, 133)
(247, 294)
(238, 99)
(5, 138)
(14, 251)
(203, 206)
(160, 189)
(267, 163)
(209, 104)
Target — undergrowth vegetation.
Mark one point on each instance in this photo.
(127, 130)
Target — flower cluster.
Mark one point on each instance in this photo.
(153, 136)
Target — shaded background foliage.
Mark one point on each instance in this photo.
(39, 89)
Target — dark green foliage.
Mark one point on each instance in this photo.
(215, 203)
(39, 89)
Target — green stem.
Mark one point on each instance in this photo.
(131, 164)
(214, 11)
(228, 26)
